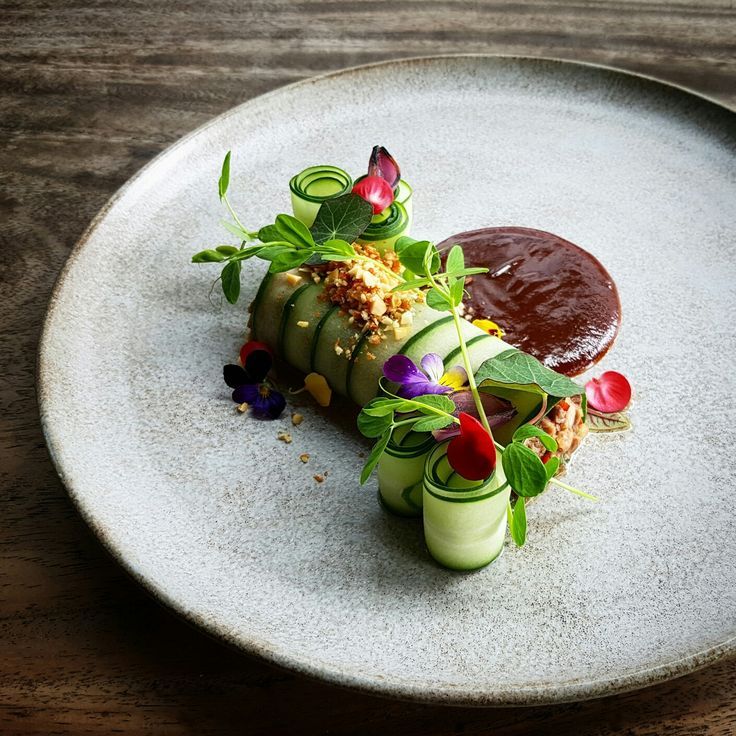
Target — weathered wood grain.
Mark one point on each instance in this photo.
(88, 93)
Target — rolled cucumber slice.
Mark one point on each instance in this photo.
(387, 227)
(464, 521)
(314, 185)
(403, 194)
(401, 470)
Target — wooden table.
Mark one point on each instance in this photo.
(89, 93)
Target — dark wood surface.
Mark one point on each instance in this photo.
(89, 92)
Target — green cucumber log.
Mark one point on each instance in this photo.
(464, 520)
(303, 329)
(311, 187)
(401, 471)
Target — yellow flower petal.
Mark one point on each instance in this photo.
(490, 327)
(455, 378)
(317, 385)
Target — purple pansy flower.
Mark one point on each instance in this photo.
(431, 378)
(249, 384)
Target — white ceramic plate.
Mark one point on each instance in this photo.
(222, 522)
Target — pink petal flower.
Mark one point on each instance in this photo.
(376, 191)
(382, 164)
(609, 393)
(472, 454)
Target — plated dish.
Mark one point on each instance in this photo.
(467, 428)
(222, 520)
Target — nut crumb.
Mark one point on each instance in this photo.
(242, 407)
(319, 478)
(297, 419)
(284, 437)
(293, 279)
(302, 323)
(304, 457)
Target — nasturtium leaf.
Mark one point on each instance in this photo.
(524, 470)
(224, 180)
(515, 369)
(375, 456)
(231, 281)
(601, 422)
(455, 260)
(294, 231)
(342, 218)
(437, 300)
(227, 250)
(371, 425)
(529, 430)
(208, 256)
(517, 522)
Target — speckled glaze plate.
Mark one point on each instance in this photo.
(223, 523)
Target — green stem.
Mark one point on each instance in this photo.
(397, 276)
(571, 489)
(235, 217)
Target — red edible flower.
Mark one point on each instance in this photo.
(383, 164)
(375, 190)
(609, 393)
(472, 453)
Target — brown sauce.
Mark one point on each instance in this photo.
(553, 299)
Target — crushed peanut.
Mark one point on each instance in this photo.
(297, 419)
(319, 478)
(293, 279)
(284, 437)
(242, 407)
(302, 323)
(304, 457)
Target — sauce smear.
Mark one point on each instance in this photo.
(553, 299)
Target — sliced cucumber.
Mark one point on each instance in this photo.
(401, 470)
(386, 228)
(297, 336)
(464, 521)
(314, 185)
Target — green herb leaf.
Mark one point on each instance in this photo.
(287, 260)
(208, 256)
(342, 218)
(524, 470)
(380, 407)
(227, 250)
(437, 300)
(437, 401)
(551, 467)
(269, 234)
(224, 181)
(455, 260)
(529, 430)
(515, 369)
(462, 272)
(231, 281)
(236, 230)
(517, 522)
(414, 254)
(431, 423)
(375, 456)
(457, 292)
(293, 231)
(411, 284)
(372, 425)
(336, 247)
(599, 421)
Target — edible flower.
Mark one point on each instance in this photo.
(490, 327)
(383, 164)
(431, 379)
(316, 384)
(472, 453)
(376, 191)
(249, 384)
(609, 393)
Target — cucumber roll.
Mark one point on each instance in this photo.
(464, 520)
(387, 227)
(401, 470)
(311, 187)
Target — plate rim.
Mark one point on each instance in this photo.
(573, 690)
